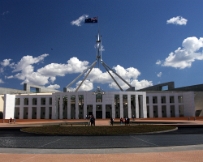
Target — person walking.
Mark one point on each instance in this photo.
(121, 120)
(111, 121)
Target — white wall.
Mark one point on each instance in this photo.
(9, 106)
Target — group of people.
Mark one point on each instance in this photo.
(125, 120)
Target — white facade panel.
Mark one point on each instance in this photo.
(9, 106)
(74, 105)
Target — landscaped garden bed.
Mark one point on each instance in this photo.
(96, 130)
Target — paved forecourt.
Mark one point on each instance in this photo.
(158, 147)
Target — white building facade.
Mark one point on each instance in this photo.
(77, 105)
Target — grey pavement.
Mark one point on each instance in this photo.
(181, 137)
(101, 151)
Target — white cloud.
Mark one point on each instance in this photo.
(177, 21)
(9, 77)
(55, 86)
(74, 65)
(86, 86)
(1, 81)
(130, 75)
(26, 70)
(46, 75)
(159, 74)
(27, 61)
(158, 62)
(185, 56)
(78, 21)
(5, 62)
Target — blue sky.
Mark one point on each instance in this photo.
(45, 42)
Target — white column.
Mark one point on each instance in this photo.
(176, 106)
(47, 108)
(54, 113)
(94, 110)
(21, 108)
(76, 106)
(38, 107)
(141, 106)
(151, 114)
(159, 106)
(113, 109)
(69, 106)
(137, 106)
(30, 107)
(61, 107)
(103, 111)
(144, 106)
(168, 111)
(85, 105)
(121, 105)
(129, 106)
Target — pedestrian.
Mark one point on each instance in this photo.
(121, 120)
(133, 117)
(93, 120)
(111, 121)
(126, 120)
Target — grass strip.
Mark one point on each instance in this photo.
(97, 130)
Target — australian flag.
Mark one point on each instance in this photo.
(91, 20)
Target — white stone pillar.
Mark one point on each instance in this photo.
(129, 106)
(54, 113)
(168, 111)
(121, 105)
(69, 106)
(85, 105)
(30, 107)
(144, 106)
(151, 115)
(94, 110)
(61, 107)
(47, 108)
(113, 109)
(176, 106)
(159, 106)
(54, 107)
(76, 106)
(21, 108)
(103, 111)
(137, 106)
(141, 106)
(38, 107)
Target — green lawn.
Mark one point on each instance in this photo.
(97, 130)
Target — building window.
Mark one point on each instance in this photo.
(180, 99)
(125, 100)
(43, 101)
(34, 101)
(98, 97)
(17, 101)
(154, 99)
(171, 99)
(26, 101)
(81, 100)
(147, 99)
(163, 99)
(181, 110)
(50, 101)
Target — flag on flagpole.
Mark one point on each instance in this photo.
(91, 20)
